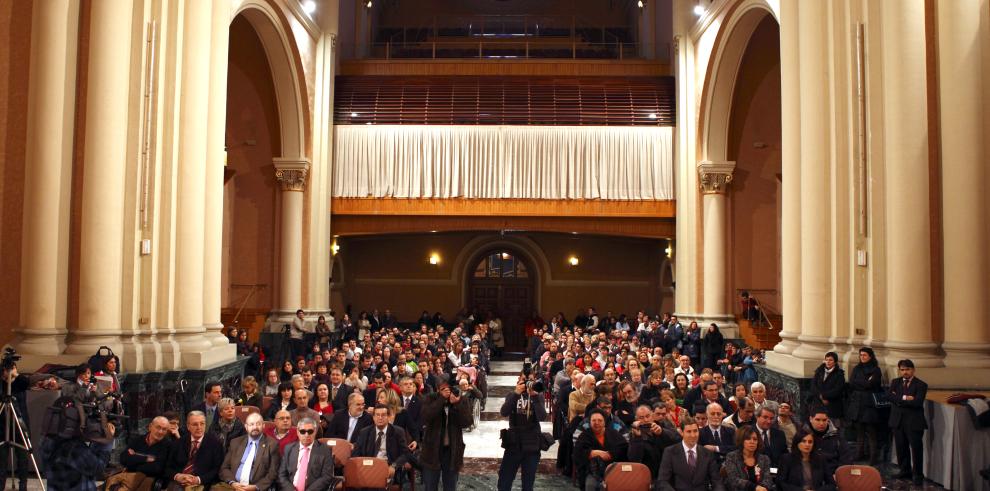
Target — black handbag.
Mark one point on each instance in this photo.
(546, 441)
(880, 400)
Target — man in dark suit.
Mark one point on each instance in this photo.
(252, 459)
(689, 466)
(383, 440)
(347, 424)
(907, 420)
(212, 393)
(376, 320)
(774, 440)
(306, 465)
(716, 437)
(412, 407)
(338, 390)
(197, 457)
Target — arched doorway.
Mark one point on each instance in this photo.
(501, 282)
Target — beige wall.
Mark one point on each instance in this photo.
(754, 238)
(15, 50)
(615, 273)
(251, 194)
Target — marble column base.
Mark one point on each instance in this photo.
(214, 333)
(791, 365)
(966, 355)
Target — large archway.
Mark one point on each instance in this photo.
(500, 283)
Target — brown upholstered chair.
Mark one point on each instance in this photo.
(627, 476)
(242, 412)
(858, 478)
(366, 472)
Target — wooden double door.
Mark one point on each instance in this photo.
(501, 284)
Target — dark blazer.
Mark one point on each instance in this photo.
(340, 422)
(778, 445)
(201, 407)
(615, 445)
(257, 400)
(648, 448)
(206, 464)
(865, 380)
(276, 407)
(727, 436)
(415, 408)
(319, 474)
(737, 477)
(675, 475)
(908, 415)
(161, 452)
(458, 418)
(395, 443)
(264, 470)
(340, 402)
(790, 474)
(832, 389)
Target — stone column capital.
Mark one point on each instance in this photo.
(714, 177)
(291, 173)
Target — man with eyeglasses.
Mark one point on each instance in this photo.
(253, 460)
(283, 432)
(307, 466)
(347, 424)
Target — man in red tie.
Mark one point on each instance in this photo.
(907, 421)
(197, 457)
(306, 465)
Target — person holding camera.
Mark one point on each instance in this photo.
(74, 463)
(445, 415)
(522, 440)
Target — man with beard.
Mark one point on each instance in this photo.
(252, 461)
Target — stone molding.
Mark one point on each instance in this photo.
(714, 177)
(291, 173)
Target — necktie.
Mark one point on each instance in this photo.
(192, 456)
(378, 442)
(691, 461)
(766, 440)
(244, 471)
(300, 480)
(333, 394)
(718, 439)
(406, 403)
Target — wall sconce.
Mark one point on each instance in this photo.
(368, 4)
(335, 248)
(573, 261)
(669, 251)
(640, 3)
(434, 259)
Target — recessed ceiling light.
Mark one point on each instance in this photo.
(309, 7)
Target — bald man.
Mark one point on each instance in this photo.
(145, 457)
(252, 459)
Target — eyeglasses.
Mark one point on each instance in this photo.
(306, 432)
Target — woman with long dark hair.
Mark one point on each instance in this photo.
(712, 345)
(801, 469)
(864, 382)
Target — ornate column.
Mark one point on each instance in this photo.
(713, 180)
(963, 59)
(101, 244)
(905, 145)
(790, 143)
(215, 163)
(291, 174)
(193, 101)
(47, 178)
(816, 279)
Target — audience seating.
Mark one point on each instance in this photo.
(341, 449)
(266, 403)
(366, 472)
(858, 478)
(627, 476)
(242, 412)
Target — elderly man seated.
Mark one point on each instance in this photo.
(301, 398)
(144, 458)
(306, 465)
(283, 432)
(252, 461)
(197, 456)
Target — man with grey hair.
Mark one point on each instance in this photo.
(301, 398)
(758, 392)
(252, 461)
(306, 466)
(774, 441)
(197, 456)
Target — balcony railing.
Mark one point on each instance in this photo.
(501, 49)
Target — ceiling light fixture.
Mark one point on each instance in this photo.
(640, 3)
(699, 10)
(368, 4)
(309, 6)
(573, 261)
(434, 259)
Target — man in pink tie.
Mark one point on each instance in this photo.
(306, 465)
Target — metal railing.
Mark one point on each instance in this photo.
(499, 49)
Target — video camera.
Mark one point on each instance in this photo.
(69, 417)
(10, 358)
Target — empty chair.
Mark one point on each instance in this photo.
(857, 478)
(242, 412)
(627, 476)
(340, 448)
(366, 472)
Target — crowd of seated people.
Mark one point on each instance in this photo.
(647, 389)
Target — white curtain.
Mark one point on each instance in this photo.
(531, 162)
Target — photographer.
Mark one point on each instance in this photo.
(522, 440)
(74, 462)
(445, 415)
(18, 386)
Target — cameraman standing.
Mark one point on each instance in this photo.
(445, 415)
(521, 441)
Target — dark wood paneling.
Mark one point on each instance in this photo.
(595, 101)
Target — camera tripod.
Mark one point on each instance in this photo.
(9, 441)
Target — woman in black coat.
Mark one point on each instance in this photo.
(866, 380)
(828, 388)
(712, 345)
(792, 475)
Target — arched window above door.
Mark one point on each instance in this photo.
(500, 264)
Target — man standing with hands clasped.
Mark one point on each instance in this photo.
(907, 420)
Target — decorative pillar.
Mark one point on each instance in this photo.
(215, 163)
(191, 200)
(905, 143)
(790, 142)
(291, 174)
(47, 178)
(101, 247)
(963, 59)
(714, 179)
(816, 284)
